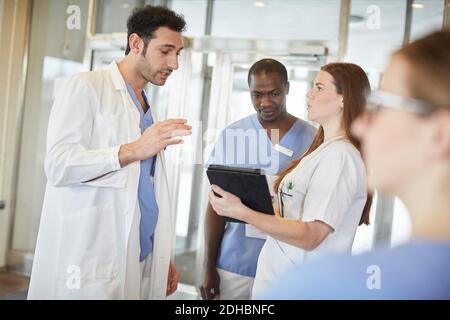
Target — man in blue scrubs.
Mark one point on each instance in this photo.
(269, 140)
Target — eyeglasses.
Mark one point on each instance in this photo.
(378, 99)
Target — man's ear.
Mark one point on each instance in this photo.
(440, 134)
(135, 43)
(287, 87)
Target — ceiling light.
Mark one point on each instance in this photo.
(259, 4)
(417, 5)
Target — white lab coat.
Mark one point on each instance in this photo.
(88, 242)
(328, 185)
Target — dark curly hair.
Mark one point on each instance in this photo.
(144, 21)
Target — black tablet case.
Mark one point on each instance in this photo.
(250, 185)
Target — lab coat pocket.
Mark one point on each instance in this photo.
(87, 244)
(114, 179)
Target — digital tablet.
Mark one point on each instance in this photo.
(250, 185)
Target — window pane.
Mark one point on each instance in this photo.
(427, 17)
(112, 15)
(376, 29)
(194, 12)
(272, 19)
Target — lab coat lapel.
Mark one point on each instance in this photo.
(162, 247)
(162, 244)
(133, 133)
(134, 168)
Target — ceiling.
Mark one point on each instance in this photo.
(297, 19)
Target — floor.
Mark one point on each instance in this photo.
(13, 287)
(185, 263)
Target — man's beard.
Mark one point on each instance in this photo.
(148, 75)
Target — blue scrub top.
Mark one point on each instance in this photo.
(146, 191)
(418, 270)
(239, 253)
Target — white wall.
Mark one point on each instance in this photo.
(12, 51)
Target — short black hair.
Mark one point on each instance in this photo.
(144, 21)
(268, 66)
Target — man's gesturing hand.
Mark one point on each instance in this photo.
(155, 138)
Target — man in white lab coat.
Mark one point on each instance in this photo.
(105, 230)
